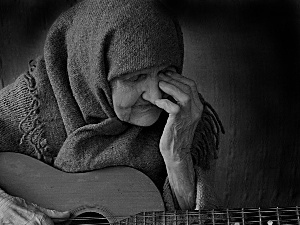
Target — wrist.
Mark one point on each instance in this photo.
(181, 175)
(178, 159)
(180, 167)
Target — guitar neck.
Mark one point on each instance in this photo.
(270, 216)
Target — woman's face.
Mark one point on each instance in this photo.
(134, 94)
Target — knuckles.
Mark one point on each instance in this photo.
(175, 109)
(185, 100)
(193, 84)
(197, 115)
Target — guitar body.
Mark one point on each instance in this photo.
(114, 192)
(121, 195)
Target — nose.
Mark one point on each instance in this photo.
(151, 90)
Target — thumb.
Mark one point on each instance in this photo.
(167, 105)
(54, 214)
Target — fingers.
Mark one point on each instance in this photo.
(176, 82)
(181, 97)
(167, 105)
(185, 84)
(40, 219)
(45, 216)
(18, 211)
(54, 214)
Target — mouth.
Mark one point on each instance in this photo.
(145, 107)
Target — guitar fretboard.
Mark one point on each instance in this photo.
(270, 216)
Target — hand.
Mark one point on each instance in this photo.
(17, 211)
(184, 115)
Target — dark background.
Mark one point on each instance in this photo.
(244, 56)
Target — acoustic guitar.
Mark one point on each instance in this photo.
(119, 195)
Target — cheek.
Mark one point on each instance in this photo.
(123, 99)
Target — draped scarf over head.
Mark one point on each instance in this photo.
(97, 41)
(86, 48)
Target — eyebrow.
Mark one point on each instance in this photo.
(169, 67)
(129, 75)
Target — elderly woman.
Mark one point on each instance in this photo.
(109, 91)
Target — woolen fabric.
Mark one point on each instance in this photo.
(61, 110)
(87, 47)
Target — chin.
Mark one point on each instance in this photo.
(145, 120)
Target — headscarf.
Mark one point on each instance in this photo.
(97, 41)
(86, 48)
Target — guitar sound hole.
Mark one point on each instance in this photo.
(89, 218)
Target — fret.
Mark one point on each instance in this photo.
(187, 216)
(277, 215)
(199, 217)
(243, 216)
(227, 216)
(153, 218)
(213, 216)
(135, 220)
(259, 214)
(298, 215)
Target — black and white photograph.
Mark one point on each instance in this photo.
(149, 112)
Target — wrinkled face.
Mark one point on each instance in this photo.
(134, 95)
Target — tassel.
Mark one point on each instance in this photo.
(206, 141)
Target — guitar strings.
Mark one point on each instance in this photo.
(206, 223)
(158, 214)
(207, 219)
(282, 215)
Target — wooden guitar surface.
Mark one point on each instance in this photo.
(120, 194)
(114, 192)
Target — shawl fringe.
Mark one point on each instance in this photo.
(31, 126)
(206, 141)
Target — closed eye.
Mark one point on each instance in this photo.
(169, 69)
(136, 78)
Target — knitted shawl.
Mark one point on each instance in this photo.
(87, 47)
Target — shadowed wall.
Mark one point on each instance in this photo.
(244, 56)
